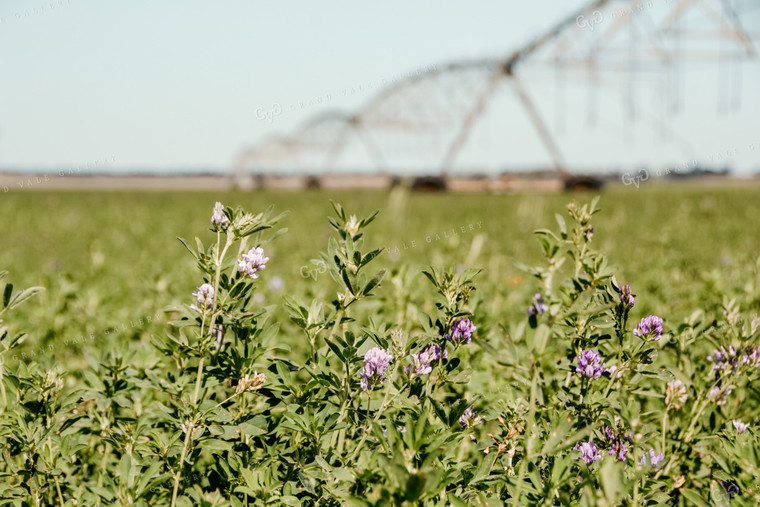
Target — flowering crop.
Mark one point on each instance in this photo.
(649, 328)
(380, 390)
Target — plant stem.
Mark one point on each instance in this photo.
(338, 318)
(178, 475)
(58, 487)
(198, 380)
(636, 493)
(384, 405)
(528, 436)
(103, 464)
(2, 386)
(377, 416)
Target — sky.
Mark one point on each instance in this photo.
(118, 85)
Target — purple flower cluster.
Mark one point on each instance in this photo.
(376, 362)
(752, 357)
(461, 331)
(626, 296)
(618, 449)
(719, 394)
(616, 443)
(725, 361)
(654, 458)
(204, 297)
(590, 364)
(538, 307)
(422, 362)
(252, 262)
(219, 218)
(589, 451)
(469, 419)
(649, 327)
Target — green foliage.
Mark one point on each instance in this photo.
(238, 403)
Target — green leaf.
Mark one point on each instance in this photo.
(181, 240)
(336, 349)
(338, 209)
(415, 485)
(611, 475)
(249, 479)
(541, 338)
(7, 294)
(369, 219)
(561, 224)
(343, 475)
(347, 281)
(374, 282)
(22, 296)
(694, 497)
(125, 465)
(150, 479)
(306, 482)
(485, 467)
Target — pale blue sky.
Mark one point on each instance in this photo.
(166, 85)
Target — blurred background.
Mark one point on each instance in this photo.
(254, 92)
(121, 123)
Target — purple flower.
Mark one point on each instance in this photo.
(590, 364)
(538, 307)
(376, 362)
(422, 362)
(220, 218)
(589, 452)
(731, 488)
(740, 426)
(654, 458)
(204, 297)
(626, 296)
(461, 331)
(719, 394)
(469, 419)
(725, 361)
(649, 327)
(252, 262)
(613, 370)
(216, 330)
(752, 357)
(616, 444)
(618, 449)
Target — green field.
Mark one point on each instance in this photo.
(109, 259)
(118, 395)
